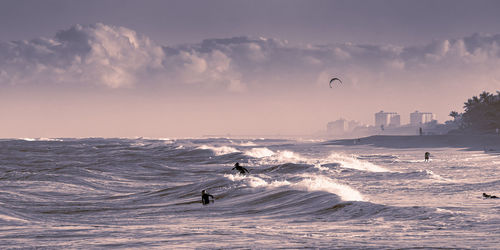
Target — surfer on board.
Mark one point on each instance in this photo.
(240, 168)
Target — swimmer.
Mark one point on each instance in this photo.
(240, 168)
(205, 197)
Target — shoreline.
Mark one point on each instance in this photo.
(487, 143)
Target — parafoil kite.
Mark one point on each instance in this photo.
(333, 79)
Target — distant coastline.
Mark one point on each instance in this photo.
(480, 142)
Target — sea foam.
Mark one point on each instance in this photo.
(223, 150)
(308, 183)
(347, 161)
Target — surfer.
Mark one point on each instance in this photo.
(489, 196)
(426, 156)
(205, 197)
(240, 168)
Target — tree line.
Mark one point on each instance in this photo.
(481, 113)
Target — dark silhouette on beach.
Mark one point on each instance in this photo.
(426, 156)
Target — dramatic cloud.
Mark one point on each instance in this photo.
(96, 54)
(117, 57)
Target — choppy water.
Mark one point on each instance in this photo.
(140, 193)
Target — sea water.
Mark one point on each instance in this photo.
(146, 193)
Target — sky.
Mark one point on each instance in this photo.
(190, 68)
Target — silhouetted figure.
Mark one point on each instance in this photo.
(426, 156)
(205, 197)
(420, 131)
(240, 168)
(489, 196)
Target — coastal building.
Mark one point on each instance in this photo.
(419, 118)
(337, 127)
(354, 124)
(387, 119)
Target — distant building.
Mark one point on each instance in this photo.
(395, 120)
(337, 127)
(354, 124)
(387, 119)
(419, 118)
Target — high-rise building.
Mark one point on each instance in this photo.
(387, 119)
(419, 118)
(337, 127)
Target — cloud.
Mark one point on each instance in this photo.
(96, 54)
(117, 57)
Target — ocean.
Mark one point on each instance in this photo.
(146, 193)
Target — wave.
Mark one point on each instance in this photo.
(326, 184)
(222, 150)
(259, 152)
(434, 176)
(41, 139)
(349, 161)
(256, 181)
(306, 182)
(7, 218)
(266, 156)
(248, 144)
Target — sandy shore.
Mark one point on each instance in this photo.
(489, 143)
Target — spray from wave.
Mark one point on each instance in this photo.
(268, 157)
(326, 184)
(353, 163)
(309, 183)
(259, 152)
(223, 150)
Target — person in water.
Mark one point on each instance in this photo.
(426, 156)
(489, 196)
(205, 197)
(240, 168)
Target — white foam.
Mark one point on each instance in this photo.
(321, 168)
(259, 152)
(256, 181)
(308, 183)
(326, 184)
(41, 139)
(289, 156)
(281, 157)
(347, 161)
(435, 176)
(164, 139)
(28, 139)
(223, 150)
(248, 144)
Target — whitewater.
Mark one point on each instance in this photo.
(146, 193)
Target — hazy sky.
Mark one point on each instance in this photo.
(191, 68)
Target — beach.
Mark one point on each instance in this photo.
(481, 142)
